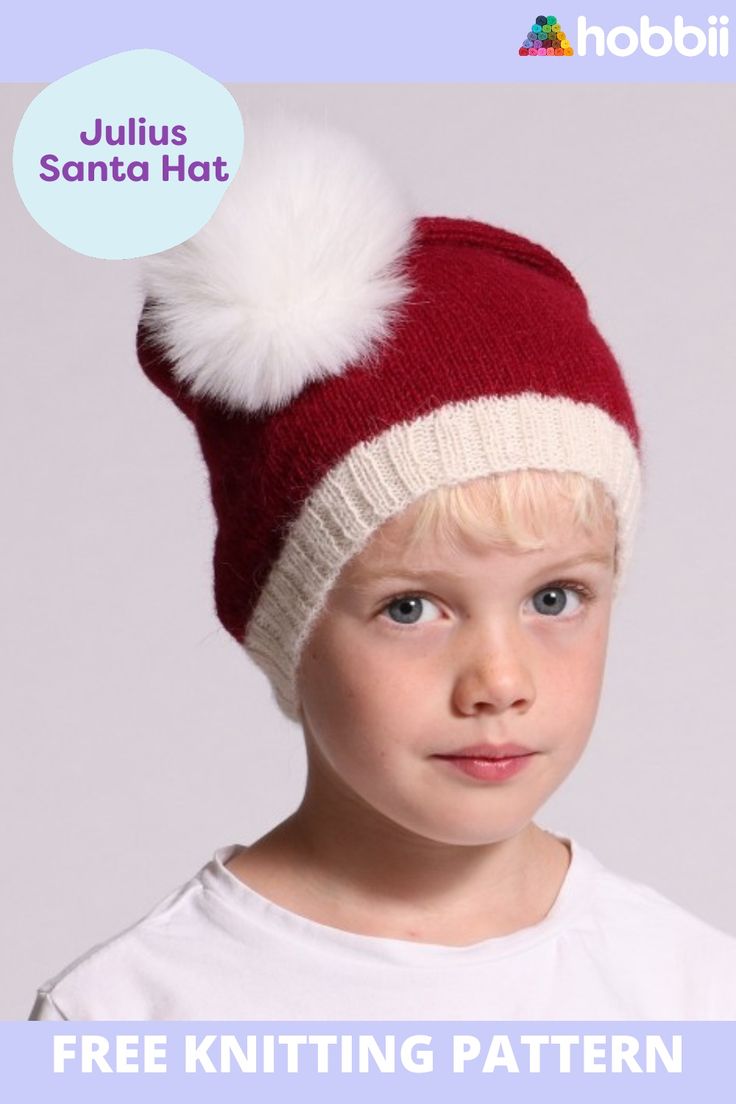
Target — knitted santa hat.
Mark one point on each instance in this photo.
(339, 359)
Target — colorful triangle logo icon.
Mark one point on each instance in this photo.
(546, 39)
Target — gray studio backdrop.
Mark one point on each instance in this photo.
(137, 737)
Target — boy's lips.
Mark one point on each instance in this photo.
(488, 762)
(487, 751)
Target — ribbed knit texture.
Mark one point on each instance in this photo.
(492, 316)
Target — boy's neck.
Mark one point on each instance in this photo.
(415, 889)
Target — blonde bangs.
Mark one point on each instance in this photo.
(509, 509)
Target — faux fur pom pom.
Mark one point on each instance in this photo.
(296, 275)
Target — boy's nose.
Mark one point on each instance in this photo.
(494, 676)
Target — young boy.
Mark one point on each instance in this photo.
(426, 468)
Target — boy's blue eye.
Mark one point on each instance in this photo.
(409, 607)
(550, 601)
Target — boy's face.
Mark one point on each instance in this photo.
(483, 646)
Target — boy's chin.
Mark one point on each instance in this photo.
(471, 833)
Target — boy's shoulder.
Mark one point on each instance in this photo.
(135, 968)
(642, 926)
(633, 902)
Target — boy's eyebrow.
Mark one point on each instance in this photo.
(397, 571)
(604, 558)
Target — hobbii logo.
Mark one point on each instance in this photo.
(656, 41)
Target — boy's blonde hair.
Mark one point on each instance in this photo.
(508, 509)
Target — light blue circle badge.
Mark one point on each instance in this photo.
(128, 156)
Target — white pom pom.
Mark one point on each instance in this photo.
(297, 274)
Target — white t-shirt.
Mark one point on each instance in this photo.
(609, 948)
